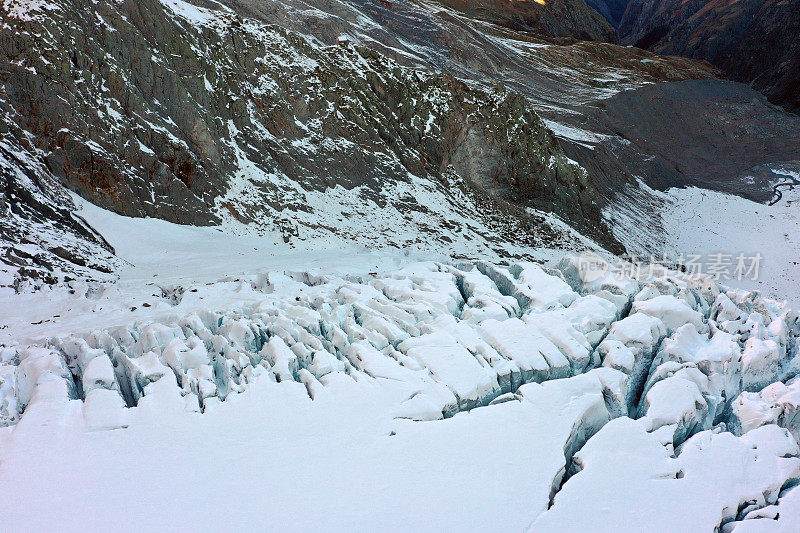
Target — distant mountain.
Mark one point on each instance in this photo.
(753, 41)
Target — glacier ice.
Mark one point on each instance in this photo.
(625, 389)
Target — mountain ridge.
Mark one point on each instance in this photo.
(753, 41)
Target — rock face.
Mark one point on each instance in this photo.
(193, 115)
(556, 18)
(753, 41)
(41, 240)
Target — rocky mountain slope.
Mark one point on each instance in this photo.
(751, 40)
(174, 127)
(353, 119)
(710, 134)
(198, 116)
(557, 18)
(42, 240)
(213, 115)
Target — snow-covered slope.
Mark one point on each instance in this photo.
(712, 230)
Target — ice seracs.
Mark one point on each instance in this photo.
(626, 476)
(590, 390)
(777, 403)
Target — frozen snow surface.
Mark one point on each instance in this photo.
(708, 222)
(713, 229)
(222, 383)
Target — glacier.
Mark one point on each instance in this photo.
(395, 392)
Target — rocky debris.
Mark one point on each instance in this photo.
(749, 133)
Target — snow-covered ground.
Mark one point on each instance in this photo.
(711, 231)
(707, 222)
(209, 266)
(227, 382)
